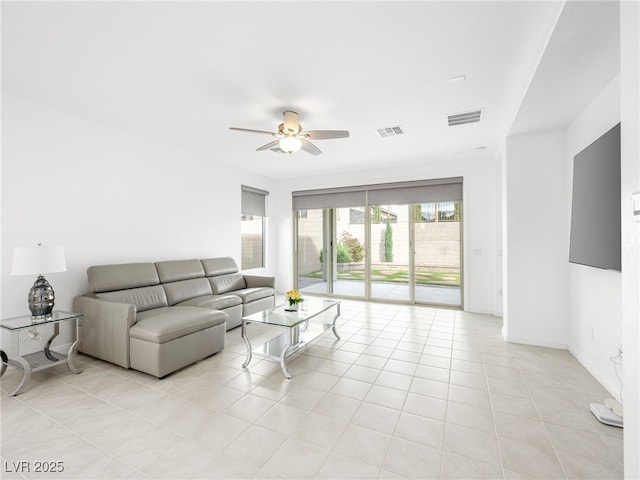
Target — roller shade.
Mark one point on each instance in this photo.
(398, 193)
(416, 194)
(254, 201)
(328, 199)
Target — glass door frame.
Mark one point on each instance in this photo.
(330, 240)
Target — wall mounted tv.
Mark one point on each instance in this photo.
(596, 204)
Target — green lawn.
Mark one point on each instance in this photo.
(402, 276)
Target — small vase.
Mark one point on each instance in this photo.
(293, 307)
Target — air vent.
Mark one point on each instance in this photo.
(390, 131)
(464, 118)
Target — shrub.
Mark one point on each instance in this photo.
(353, 246)
(388, 242)
(342, 255)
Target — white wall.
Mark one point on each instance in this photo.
(535, 239)
(479, 219)
(595, 316)
(108, 197)
(630, 131)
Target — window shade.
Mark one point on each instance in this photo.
(254, 201)
(328, 199)
(398, 193)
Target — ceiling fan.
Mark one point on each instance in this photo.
(290, 138)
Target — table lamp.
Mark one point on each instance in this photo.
(38, 261)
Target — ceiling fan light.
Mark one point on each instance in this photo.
(290, 144)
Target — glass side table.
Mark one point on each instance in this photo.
(34, 362)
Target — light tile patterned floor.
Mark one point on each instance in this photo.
(408, 392)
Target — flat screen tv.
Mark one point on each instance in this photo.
(596, 204)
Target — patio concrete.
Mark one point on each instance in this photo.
(432, 294)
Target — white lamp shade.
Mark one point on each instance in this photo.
(290, 144)
(36, 260)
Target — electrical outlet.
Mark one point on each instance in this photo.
(590, 332)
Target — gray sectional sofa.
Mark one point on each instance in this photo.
(160, 317)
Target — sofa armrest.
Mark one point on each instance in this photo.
(260, 281)
(103, 332)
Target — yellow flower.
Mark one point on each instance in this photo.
(293, 294)
(294, 297)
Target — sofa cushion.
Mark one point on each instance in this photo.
(219, 302)
(257, 306)
(174, 270)
(227, 283)
(106, 278)
(145, 298)
(165, 324)
(219, 266)
(251, 294)
(185, 289)
(259, 281)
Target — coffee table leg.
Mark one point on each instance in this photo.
(333, 324)
(247, 344)
(70, 363)
(283, 366)
(294, 339)
(5, 362)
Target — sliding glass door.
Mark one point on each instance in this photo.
(390, 268)
(311, 245)
(348, 237)
(330, 251)
(438, 247)
(396, 242)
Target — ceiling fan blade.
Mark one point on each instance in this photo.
(268, 146)
(309, 147)
(326, 134)
(251, 130)
(291, 122)
(278, 150)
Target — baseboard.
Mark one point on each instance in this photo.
(609, 387)
(482, 311)
(538, 342)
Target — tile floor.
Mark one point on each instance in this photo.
(408, 392)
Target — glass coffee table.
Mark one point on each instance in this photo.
(300, 329)
(40, 360)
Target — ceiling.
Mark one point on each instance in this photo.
(182, 73)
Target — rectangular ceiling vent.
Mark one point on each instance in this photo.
(464, 118)
(390, 131)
